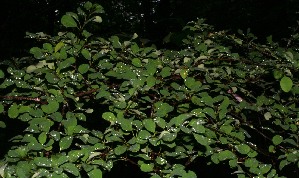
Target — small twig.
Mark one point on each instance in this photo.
(23, 98)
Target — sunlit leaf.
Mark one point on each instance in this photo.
(58, 46)
(286, 84)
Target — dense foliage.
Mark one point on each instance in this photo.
(89, 103)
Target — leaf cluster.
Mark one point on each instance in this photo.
(91, 102)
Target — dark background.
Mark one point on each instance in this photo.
(151, 19)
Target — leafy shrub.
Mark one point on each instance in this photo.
(91, 102)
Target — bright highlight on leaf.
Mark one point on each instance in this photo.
(98, 19)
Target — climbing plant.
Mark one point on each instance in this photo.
(89, 103)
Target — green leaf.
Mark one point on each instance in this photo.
(71, 168)
(65, 142)
(58, 46)
(243, 149)
(125, 124)
(184, 73)
(167, 136)
(74, 155)
(149, 124)
(135, 49)
(51, 78)
(150, 81)
(201, 139)
(283, 163)
(192, 84)
(68, 21)
(42, 138)
(120, 149)
(136, 62)
(2, 75)
(144, 135)
(277, 139)
(86, 54)
(226, 129)
(115, 42)
(42, 161)
(264, 168)
(87, 5)
(277, 74)
(37, 52)
(166, 72)
(197, 126)
(251, 162)
(97, 19)
(13, 111)
(151, 67)
(160, 122)
(66, 63)
(286, 84)
(2, 124)
(210, 112)
(267, 115)
(225, 155)
(48, 47)
(147, 167)
(162, 109)
(51, 107)
(70, 123)
(179, 120)
(109, 116)
(95, 173)
(83, 68)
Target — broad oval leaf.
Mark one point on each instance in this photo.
(109, 116)
(68, 21)
(83, 68)
(95, 173)
(51, 107)
(1, 74)
(277, 139)
(120, 149)
(71, 168)
(97, 19)
(147, 167)
(243, 148)
(65, 142)
(286, 84)
(13, 111)
(149, 124)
